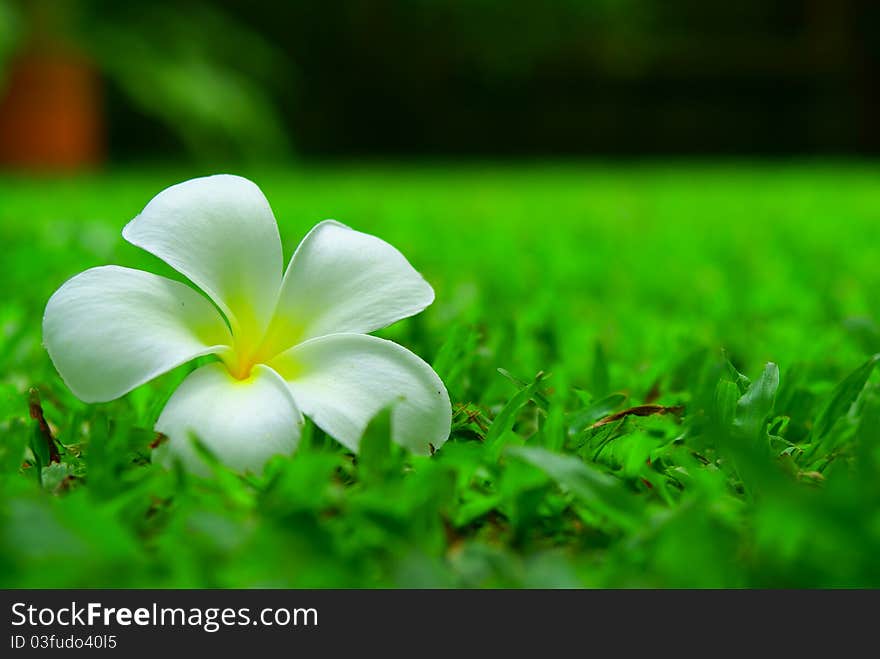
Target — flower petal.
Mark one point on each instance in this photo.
(342, 381)
(341, 280)
(110, 329)
(242, 422)
(220, 232)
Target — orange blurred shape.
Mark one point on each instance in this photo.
(50, 113)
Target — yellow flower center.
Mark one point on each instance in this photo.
(241, 360)
(240, 368)
(250, 348)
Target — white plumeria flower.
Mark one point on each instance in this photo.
(287, 345)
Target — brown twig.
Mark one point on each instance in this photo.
(640, 410)
(36, 410)
(158, 440)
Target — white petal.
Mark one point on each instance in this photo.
(342, 381)
(242, 422)
(341, 280)
(110, 329)
(220, 232)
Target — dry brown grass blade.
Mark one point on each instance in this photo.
(640, 410)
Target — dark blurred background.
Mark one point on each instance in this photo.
(90, 80)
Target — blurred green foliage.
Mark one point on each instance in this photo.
(740, 300)
(234, 80)
(212, 81)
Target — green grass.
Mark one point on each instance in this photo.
(673, 285)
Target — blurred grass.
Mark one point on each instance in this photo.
(623, 285)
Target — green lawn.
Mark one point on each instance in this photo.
(621, 285)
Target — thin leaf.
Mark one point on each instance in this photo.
(601, 491)
(724, 404)
(540, 398)
(506, 417)
(740, 380)
(842, 397)
(756, 404)
(374, 454)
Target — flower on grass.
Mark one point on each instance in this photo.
(287, 345)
